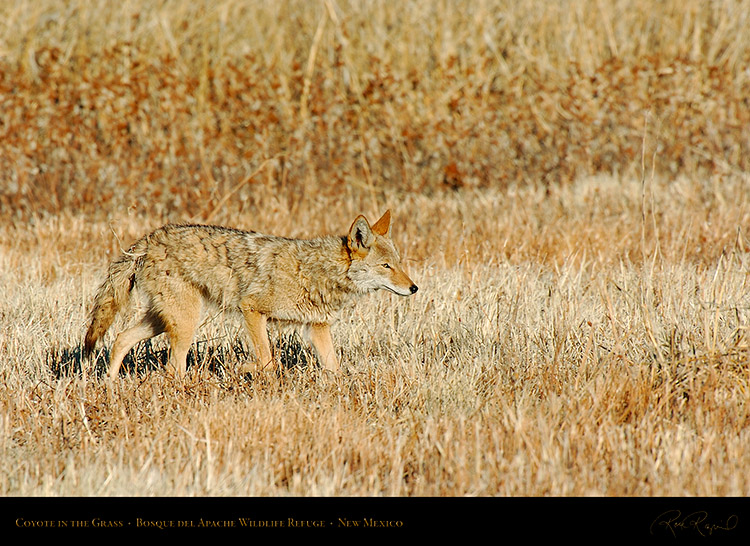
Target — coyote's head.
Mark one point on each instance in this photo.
(376, 263)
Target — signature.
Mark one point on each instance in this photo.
(698, 522)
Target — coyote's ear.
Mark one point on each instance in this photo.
(383, 226)
(360, 237)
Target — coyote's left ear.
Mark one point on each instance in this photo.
(360, 236)
(383, 226)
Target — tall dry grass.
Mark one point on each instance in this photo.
(187, 107)
(569, 190)
(510, 373)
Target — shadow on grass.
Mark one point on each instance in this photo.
(146, 357)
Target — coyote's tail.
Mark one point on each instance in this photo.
(113, 295)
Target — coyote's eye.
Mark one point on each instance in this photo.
(387, 266)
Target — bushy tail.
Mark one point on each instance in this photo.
(113, 295)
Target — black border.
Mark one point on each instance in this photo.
(658, 519)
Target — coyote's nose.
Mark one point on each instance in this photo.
(413, 288)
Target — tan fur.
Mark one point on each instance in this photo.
(168, 277)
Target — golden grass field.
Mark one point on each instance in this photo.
(569, 187)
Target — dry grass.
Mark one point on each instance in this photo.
(510, 373)
(567, 186)
(170, 107)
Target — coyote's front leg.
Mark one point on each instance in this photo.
(320, 338)
(256, 326)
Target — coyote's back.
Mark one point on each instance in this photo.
(167, 278)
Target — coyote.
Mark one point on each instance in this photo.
(167, 278)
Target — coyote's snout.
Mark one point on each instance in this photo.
(172, 274)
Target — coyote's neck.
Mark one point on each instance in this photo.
(325, 267)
